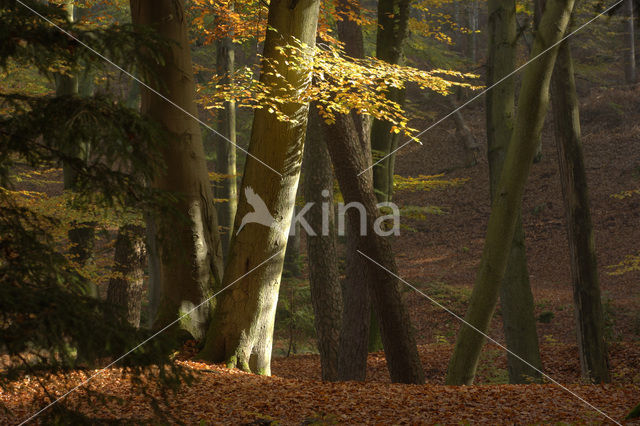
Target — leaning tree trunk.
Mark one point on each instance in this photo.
(226, 152)
(517, 308)
(584, 266)
(360, 330)
(127, 280)
(505, 210)
(242, 331)
(187, 239)
(324, 277)
(349, 159)
(393, 28)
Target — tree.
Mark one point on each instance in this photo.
(44, 307)
(349, 158)
(225, 163)
(515, 292)
(324, 276)
(393, 18)
(241, 332)
(584, 266)
(630, 41)
(359, 326)
(126, 286)
(532, 107)
(187, 239)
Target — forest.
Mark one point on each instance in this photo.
(319, 212)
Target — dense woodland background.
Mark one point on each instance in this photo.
(134, 140)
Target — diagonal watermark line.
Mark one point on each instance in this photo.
(103, 369)
(435, 302)
(580, 28)
(67, 33)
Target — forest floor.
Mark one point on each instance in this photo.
(440, 255)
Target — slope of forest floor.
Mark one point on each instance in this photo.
(440, 255)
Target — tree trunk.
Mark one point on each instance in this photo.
(517, 307)
(505, 210)
(225, 151)
(464, 135)
(393, 18)
(324, 277)
(360, 330)
(242, 331)
(474, 12)
(153, 265)
(187, 238)
(584, 267)
(630, 42)
(349, 159)
(127, 281)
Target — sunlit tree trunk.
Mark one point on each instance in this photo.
(187, 238)
(515, 293)
(584, 265)
(241, 333)
(505, 210)
(226, 152)
(349, 158)
(324, 276)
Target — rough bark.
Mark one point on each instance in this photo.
(517, 305)
(126, 284)
(187, 238)
(584, 267)
(226, 152)
(393, 18)
(242, 331)
(324, 277)
(349, 158)
(505, 210)
(360, 330)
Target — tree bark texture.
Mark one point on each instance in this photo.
(584, 266)
(187, 238)
(324, 276)
(242, 331)
(349, 158)
(127, 283)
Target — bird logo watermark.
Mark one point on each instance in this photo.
(384, 225)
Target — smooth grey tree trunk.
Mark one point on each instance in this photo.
(584, 265)
(505, 210)
(187, 238)
(324, 276)
(517, 304)
(241, 333)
